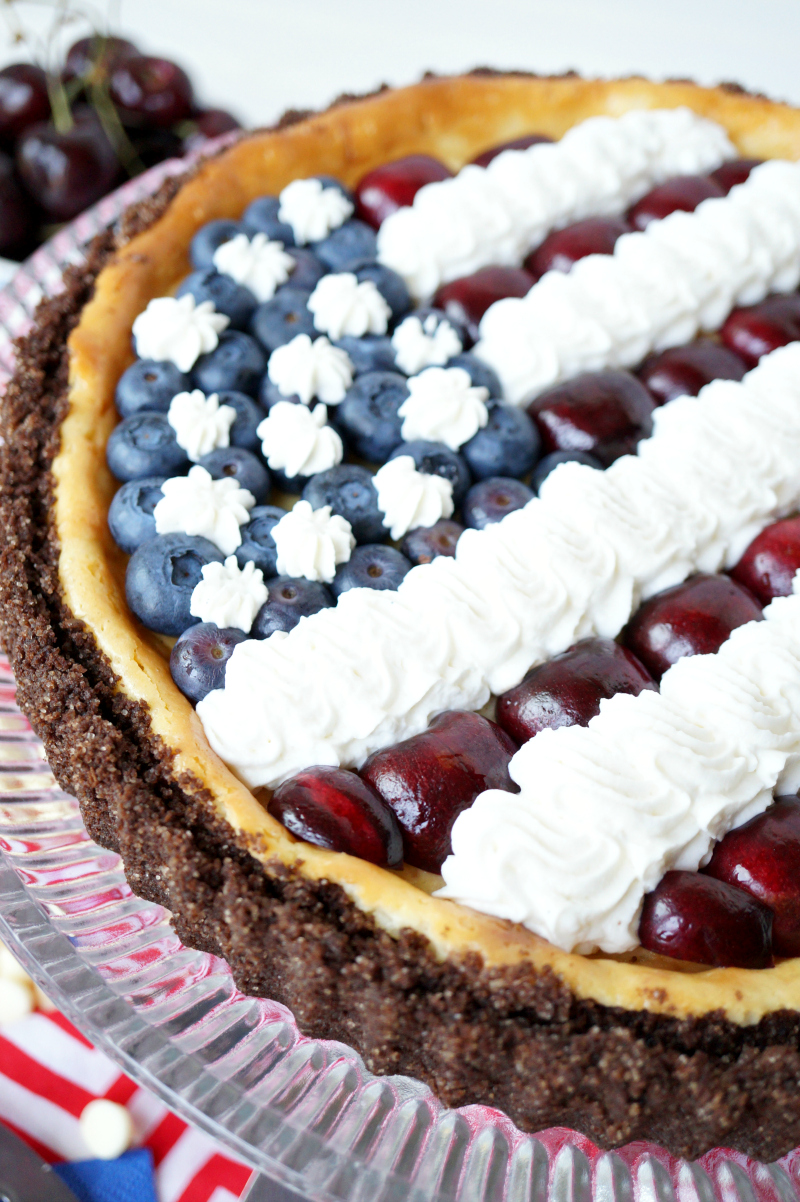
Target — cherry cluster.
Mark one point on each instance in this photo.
(68, 138)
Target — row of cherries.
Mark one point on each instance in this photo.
(742, 910)
(68, 139)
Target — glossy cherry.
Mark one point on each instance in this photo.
(680, 192)
(486, 156)
(210, 123)
(150, 91)
(66, 172)
(465, 300)
(87, 53)
(23, 99)
(391, 186)
(691, 916)
(16, 225)
(684, 370)
(734, 172)
(430, 778)
(563, 248)
(768, 566)
(333, 808)
(568, 689)
(605, 413)
(761, 328)
(763, 858)
(693, 618)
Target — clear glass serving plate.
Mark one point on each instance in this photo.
(305, 1113)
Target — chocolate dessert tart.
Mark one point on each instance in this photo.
(575, 1012)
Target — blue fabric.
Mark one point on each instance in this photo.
(129, 1178)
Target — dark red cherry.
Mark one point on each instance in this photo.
(768, 566)
(486, 156)
(734, 172)
(562, 249)
(333, 808)
(16, 226)
(761, 328)
(154, 145)
(603, 412)
(684, 370)
(430, 778)
(568, 689)
(693, 618)
(150, 91)
(763, 858)
(210, 123)
(465, 300)
(681, 192)
(693, 917)
(392, 186)
(87, 53)
(23, 99)
(67, 172)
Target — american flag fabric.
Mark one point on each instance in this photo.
(49, 1073)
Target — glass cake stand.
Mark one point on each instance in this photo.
(304, 1113)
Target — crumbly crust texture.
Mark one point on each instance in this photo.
(512, 1036)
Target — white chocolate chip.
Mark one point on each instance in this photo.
(16, 1001)
(106, 1128)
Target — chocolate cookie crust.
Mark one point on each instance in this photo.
(515, 1038)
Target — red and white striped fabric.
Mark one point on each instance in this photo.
(48, 1074)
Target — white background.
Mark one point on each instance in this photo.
(259, 57)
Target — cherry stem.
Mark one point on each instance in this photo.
(113, 128)
(59, 103)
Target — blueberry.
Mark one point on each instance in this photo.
(371, 566)
(237, 365)
(209, 239)
(330, 181)
(351, 243)
(289, 600)
(242, 466)
(130, 515)
(200, 656)
(490, 500)
(425, 543)
(226, 295)
(249, 417)
(308, 270)
(508, 445)
(391, 286)
(269, 394)
(281, 319)
(149, 384)
(161, 577)
(145, 445)
(438, 460)
(257, 542)
(545, 466)
(261, 217)
(480, 373)
(367, 417)
(372, 352)
(349, 491)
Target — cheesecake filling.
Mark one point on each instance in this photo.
(494, 215)
(658, 289)
(605, 810)
(573, 563)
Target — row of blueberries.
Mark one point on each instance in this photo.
(742, 910)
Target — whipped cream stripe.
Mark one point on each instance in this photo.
(649, 785)
(659, 287)
(497, 214)
(574, 562)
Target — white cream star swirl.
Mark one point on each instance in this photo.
(312, 542)
(497, 214)
(605, 810)
(443, 405)
(572, 563)
(298, 441)
(256, 263)
(198, 504)
(178, 329)
(658, 289)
